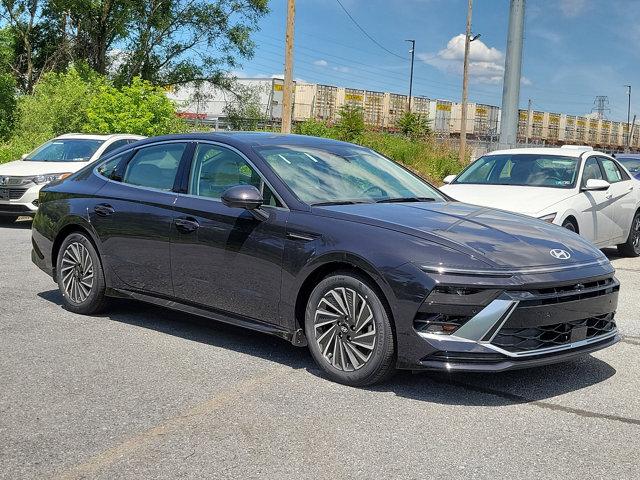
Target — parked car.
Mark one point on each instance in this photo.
(328, 244)
(631, 162)
(585, 191)
(20, 181)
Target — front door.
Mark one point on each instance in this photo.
(622, 197)
(224, 258)
(133, 214)
(595, 206)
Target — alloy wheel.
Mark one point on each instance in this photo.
(77, 272)
(345, 329)
(636, 234)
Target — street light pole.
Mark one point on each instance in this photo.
(287, 90)
(465, 84)
(413, 54)
(628, 117)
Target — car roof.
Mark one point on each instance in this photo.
(565, 152)
(98, 137)
(254, 139)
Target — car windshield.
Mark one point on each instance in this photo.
(67, 150)
(344, 174)
(536, 170)
(631, 163)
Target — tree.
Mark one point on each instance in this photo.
(351, 123)
(174, 42)
(140, 108)
(244, 110)
(7, 104)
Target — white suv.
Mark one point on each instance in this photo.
(20, 181)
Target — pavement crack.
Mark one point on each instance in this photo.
(519, 399)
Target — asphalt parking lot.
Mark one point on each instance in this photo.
(148, 393)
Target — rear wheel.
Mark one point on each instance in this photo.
(80, 277)
(570, 225)
(349, 331)
(631, 248)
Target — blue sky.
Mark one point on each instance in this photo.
(574, 49)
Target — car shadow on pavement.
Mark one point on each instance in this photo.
(472, 389)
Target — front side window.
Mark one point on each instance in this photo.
(215, 169)
(109, 168)
(344, 174)
(524, 169)
(65, 150)
(155, 166)
(611, 170)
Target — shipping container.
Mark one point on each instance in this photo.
(440, 111)
(553, 127)
(523, 125)
(325, 106)
(581, 130)
(485, 123)
(537, 124)
(396, 106)
(570, 129)
(456, 118)
(593, 126)
(373, 108)
(605, 132)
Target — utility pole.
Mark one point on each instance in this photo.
(512, 74)
(413, 55)
(628, 117)
(287, 91)
(465, 84)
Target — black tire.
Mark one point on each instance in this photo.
(380, 363)
(95, 300)
(631, 248)
(570, 225)
(5, 219)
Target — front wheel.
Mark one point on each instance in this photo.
(80, 277)
(570, 225)
(631, 248)
(349, 331)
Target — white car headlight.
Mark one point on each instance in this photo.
(548, 218)
(49, 177)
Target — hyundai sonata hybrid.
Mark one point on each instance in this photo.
(325, 244)
(585, 191)
(21, 180)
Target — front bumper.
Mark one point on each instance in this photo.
(517, 329)
(19, 201)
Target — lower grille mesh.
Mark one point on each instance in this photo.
(547, 336)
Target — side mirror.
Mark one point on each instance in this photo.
(594, 184)
(247, 197)
(449, 178)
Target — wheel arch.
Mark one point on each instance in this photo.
(69, 228)
(572, 218)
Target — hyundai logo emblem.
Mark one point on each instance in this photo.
(560, 254)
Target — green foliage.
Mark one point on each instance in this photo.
(351, 123)
(7, 104)
(314, 128)
(140, 109)
(243, 111)
(413, 125)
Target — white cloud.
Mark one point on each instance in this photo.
(572, 8)
(486, 64)
(342, 69)
(321, 63)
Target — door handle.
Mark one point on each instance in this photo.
(186, 225)
(103, 209)
(608, 195)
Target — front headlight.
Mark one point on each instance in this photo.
(49, 177)
(548, 218)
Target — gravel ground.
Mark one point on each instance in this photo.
(144, 392)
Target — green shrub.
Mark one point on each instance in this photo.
(351, 123)
(7, 104)
(139, 109)
(413, 125)
(314, 128)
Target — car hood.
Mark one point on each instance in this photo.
(501, 239)
(21, 168)
(527, 200)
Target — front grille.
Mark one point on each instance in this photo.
(12, 193)
(570, 293)
(548, 336)
(13, 208)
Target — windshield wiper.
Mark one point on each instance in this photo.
(406, 199)
(338, 202)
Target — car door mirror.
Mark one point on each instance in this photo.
(449, 179)
(594, 184)
(242, 196)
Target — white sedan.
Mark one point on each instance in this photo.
(578, 188)
(21, 181)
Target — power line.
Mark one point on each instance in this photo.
(367, 34)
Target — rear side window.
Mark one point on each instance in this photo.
(611, 170)
(155, 167)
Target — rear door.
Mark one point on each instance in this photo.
(133, 214)
(224, 258)
(622, 197)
